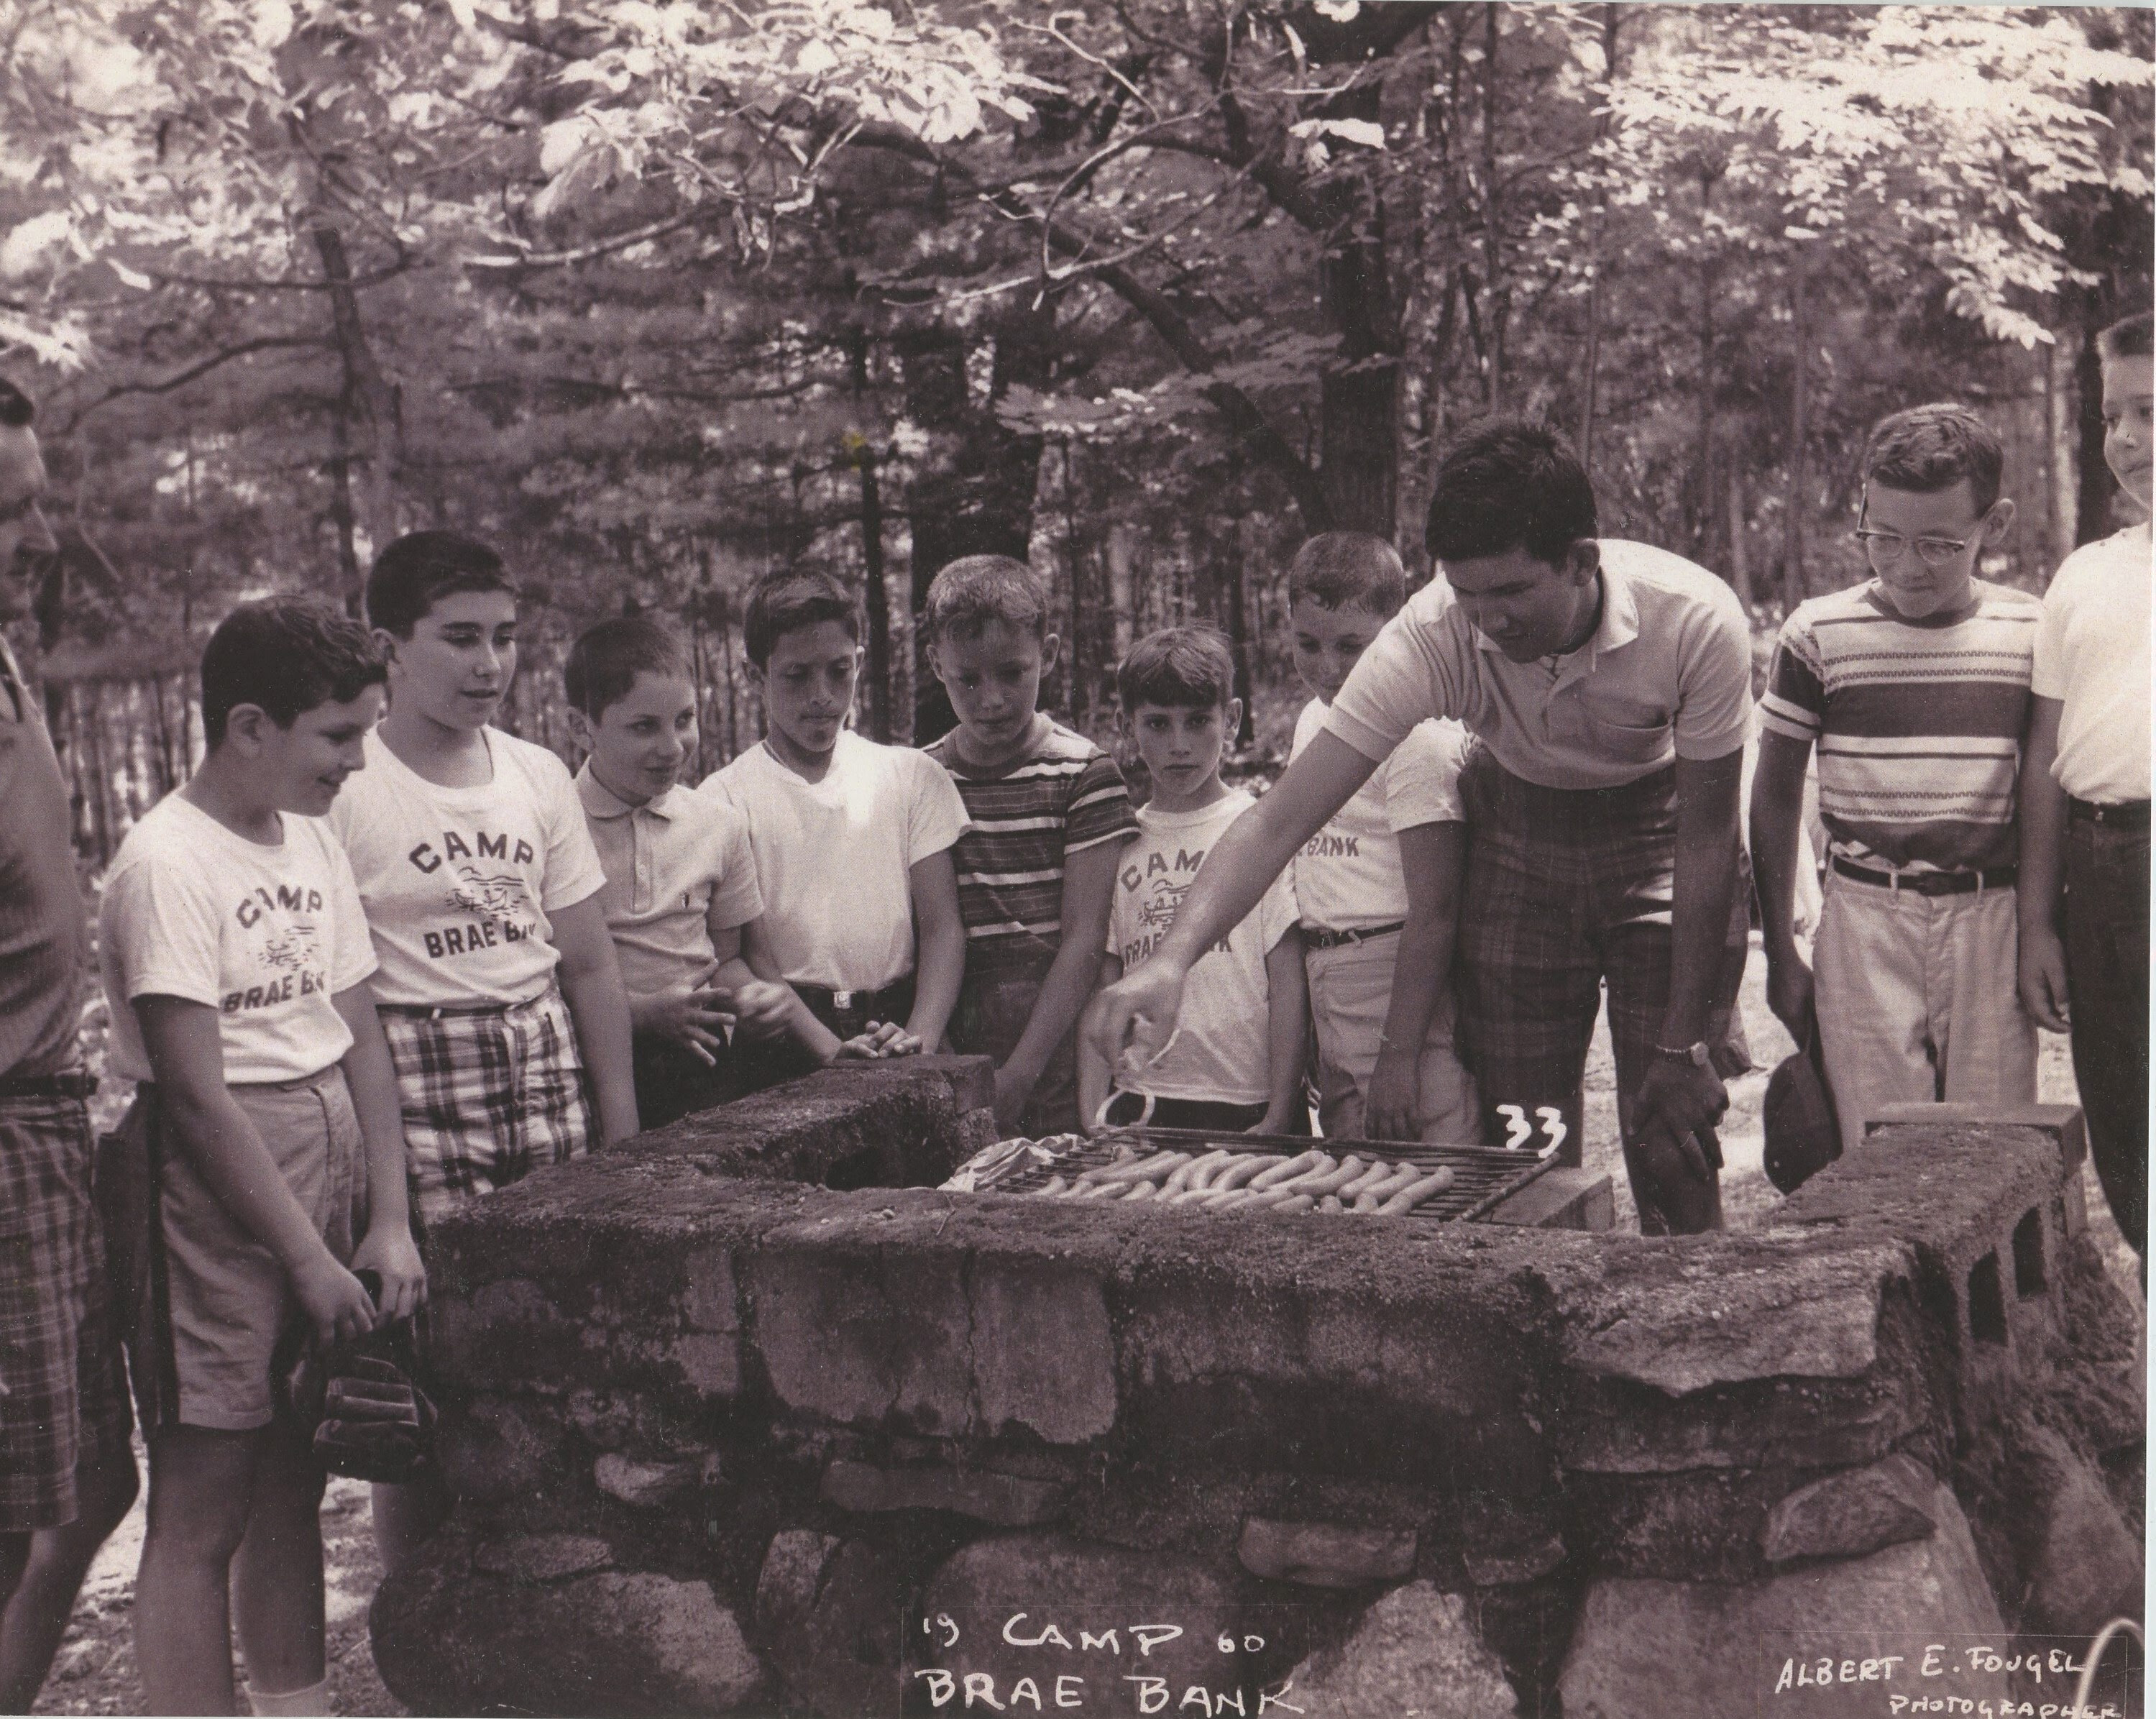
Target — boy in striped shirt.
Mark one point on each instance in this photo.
(1915, 688)
(1049, 813)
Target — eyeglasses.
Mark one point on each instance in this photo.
(1883, 549)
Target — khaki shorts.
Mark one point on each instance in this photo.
(1351, 993)
(224, 1299)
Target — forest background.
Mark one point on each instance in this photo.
(660, 297)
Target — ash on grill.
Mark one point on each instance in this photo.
(1447, 1184)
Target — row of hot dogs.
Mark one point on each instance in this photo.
(1247, 1181)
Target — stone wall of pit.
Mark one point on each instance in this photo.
(727, 1437)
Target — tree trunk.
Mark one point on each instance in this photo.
(2059, 492)
(2096, 487)
(1796, 584)
(1359, 398)
(364, 402)
(878, 595)
(1740, 559)
(1493, 259)
(1593, 361)
(1703, 456)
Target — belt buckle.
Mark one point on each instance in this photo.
(842, 1000)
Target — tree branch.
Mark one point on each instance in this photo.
(279, 342)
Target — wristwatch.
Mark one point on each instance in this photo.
(1696, 1055)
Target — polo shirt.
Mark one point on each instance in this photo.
(44, 931)
(671, 865)
(1666, 674)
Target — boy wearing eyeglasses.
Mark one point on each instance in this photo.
(1914, 687)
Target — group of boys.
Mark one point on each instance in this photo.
(377, 957)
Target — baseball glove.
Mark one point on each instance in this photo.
(371, 1419)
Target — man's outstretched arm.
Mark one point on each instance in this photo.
(1139, 1011)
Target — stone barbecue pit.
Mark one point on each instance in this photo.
(750, 1417)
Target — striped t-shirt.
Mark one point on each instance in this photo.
(1919, 723)
(1063, 796)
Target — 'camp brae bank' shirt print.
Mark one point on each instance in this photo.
(266, 936)
(458, 882)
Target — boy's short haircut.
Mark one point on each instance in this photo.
(1338, 569)
(1186, 667)
(1928, 449)
(287, 654)
(2127, 338)
(420, 568)
(782, 602)
(977, 589)
(607, 658)
(1508, 483)
(17, 411)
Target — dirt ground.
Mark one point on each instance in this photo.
(96, 1671)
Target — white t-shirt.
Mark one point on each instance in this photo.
(1348, 874)
(1220, 1049)
(2093, 654)
(459, 882)
(835, 857)
(267, 937)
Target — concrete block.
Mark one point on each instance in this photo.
(1707, 1650)
(971, 1079)
(1415, 1645)
(859, 1335)
(1562, 1199)
(708, 1300)
(708, 1363)
(1325, 1554)
(1853, 1513)
(1006, 1500)
(1043, 1355)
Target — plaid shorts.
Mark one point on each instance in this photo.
(1568, 889)
(62, 1395)
(488, 1095)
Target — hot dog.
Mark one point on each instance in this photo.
(1415, 1192)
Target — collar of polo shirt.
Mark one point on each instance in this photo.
(601, 801)
(1620, 624)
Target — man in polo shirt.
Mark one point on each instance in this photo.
(1610, 684)
(67, 1475)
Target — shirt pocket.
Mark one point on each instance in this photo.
(1629, 737)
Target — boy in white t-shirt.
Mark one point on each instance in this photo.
(852, 841)
(2085, 793)
(498, 989)
(1379, 887)
(1236, 1058)
(680, 879)
(235, 958)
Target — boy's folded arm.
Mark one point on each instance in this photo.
(1287, 1031)
(1089, 879)
(939, 938)
(187, 1060)
(762, 961)
(598, 1006)
(388, 1246)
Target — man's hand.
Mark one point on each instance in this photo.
(1789, 993)
(1392, 1110)
(695, 1019)
(1677, 1102)
(2043, 977)
(389, 1251)
(763, 1009)
(1014, 1087)
(1130, 1022)
(337, 1303)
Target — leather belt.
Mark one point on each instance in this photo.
(1930, 883)
(2132, 814)
(1317, 937)
(74, 1084)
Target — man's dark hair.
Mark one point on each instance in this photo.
(17, 410)
(782, 602)
(287, 654)
(1187, 667)
(1928, 449)
(420, 568)
(1507, 483)
(606, 660)
(1338, 569)
(977, 589)
(2127, 338)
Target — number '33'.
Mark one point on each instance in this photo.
(1519, 1131)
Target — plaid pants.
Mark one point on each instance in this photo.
(62, 1395)
(1568, 891)
(488, 1095)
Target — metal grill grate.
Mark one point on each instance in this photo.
(1482, 1177)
